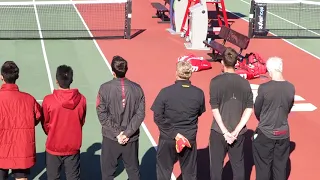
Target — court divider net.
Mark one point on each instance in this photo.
(66, 19)
(284, 19)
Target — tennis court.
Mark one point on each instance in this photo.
(38, 60)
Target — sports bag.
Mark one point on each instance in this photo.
(251, 67)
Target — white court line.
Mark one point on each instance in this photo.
(26, 3)
(275, 34)
(153, 142)
(45, 59)
(26, 7)
(43, 49)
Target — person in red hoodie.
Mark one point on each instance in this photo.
(64, 116)
(19, 114)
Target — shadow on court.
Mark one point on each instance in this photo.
(136, 32)
(213, 21)
(231, 15)
(90, 165)
(204, 162)
(148, 165)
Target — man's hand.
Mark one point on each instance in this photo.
(179, 136)
(229, 137)
(122, 139)
(181, 142)
(235, 133)
(125, 139)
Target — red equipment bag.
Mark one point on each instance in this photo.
(198, 63)
(251, 67)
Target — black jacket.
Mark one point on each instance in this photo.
(177, 108)
(120, 107)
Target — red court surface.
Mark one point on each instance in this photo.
(152, 57)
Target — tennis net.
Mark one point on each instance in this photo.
(66, 19)
(284, 19)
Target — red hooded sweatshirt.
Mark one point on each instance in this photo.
(64, 115)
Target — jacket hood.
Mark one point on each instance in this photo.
(68, 98)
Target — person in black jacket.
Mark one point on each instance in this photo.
(271, 141)
(231, 101)
(121, 110)
(176, 110)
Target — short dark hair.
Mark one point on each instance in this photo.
(64, 76)
(10, 72)
(119, 66)
(230, 57)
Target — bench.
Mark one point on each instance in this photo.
(231, 36)
(161, 11)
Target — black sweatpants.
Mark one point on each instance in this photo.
(17, 173)
(71, 165)
(270, 156)
(110, 153)
(218, 148)
(167, 156)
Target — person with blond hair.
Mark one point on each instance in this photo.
(176, 110)
(271, 141)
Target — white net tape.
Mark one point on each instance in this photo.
(31, 3)
(287, 2)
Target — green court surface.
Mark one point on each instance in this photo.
(284, 20)
(38, 60)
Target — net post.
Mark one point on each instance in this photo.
(260, 20)
(128, 15)
(251, 19)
